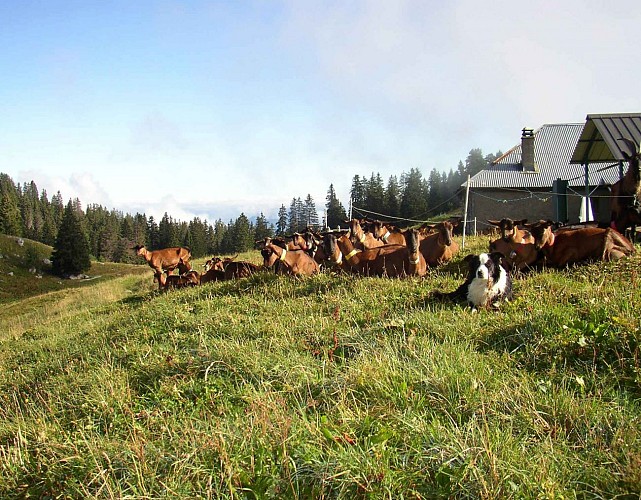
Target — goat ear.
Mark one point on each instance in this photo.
(520, 222)
(494, 222)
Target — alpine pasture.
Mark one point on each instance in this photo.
(332, 386)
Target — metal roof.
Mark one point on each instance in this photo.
(599, 140)
(553, 147)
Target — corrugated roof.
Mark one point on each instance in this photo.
(553, 147)
(599, 140)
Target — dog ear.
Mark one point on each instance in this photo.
(497, 257)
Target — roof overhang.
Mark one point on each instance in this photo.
(600, 138)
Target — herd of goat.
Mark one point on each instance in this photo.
(375, 248)
(372, 248)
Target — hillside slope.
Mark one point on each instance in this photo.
(21, 256)
(332, 386)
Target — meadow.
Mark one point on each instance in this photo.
(328, 387)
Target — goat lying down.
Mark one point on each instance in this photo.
(488, 282)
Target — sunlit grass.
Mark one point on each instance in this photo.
(332, 386)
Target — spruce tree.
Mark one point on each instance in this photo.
(392, 198)
(281, 225)
(335, 211)
(71, 249)
(262, 228)
(10, 218)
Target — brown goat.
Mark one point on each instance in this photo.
(190, 278)
(165, 260)
(625, 204)
(386, 233)
(569, 246)
(230, 268)
(418, 266)
(212, 275)
(511, 232)
(518, 256)
(438, 247)
(296, 262)
(387, 260)
(360, 238)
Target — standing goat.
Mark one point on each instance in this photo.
(625, 204)
(165, 260)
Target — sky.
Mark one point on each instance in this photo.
(212, 108)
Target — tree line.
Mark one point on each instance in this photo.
(110, 234)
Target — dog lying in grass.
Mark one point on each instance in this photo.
(488, 282)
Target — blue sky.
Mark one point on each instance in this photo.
(210, 108)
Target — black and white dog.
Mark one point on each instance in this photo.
(487, 283)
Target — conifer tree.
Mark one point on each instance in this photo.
(335, 211)
(262, 228)
(392, 197)
(281, 225)
(414, 201)
(375, 194)
(310, 214)
(71, 249)
(10, 219)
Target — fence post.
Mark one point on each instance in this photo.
(467, 195)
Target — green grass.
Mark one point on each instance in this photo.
(328, 387)
(17, 282)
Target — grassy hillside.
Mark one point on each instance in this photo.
(333, 386)
(17, 282)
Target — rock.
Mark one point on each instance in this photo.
(20, 241)
(11, 273)
(32, 270)
(46, 262)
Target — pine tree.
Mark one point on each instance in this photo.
(10, 219)
(310, 213)
(414, 201)
(243, 234)
(296, 216)
(392, 198)
(71, 249)
(281, 225)
(197, 237)
(49, 228)
(357, 192)
(262, 228)
(152, 241)
(335, 211)
(375, 194)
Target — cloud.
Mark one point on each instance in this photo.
(469, 74)
(157, 134)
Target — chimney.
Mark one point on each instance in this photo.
(527, 151)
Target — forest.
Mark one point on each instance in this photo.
(27, 212)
